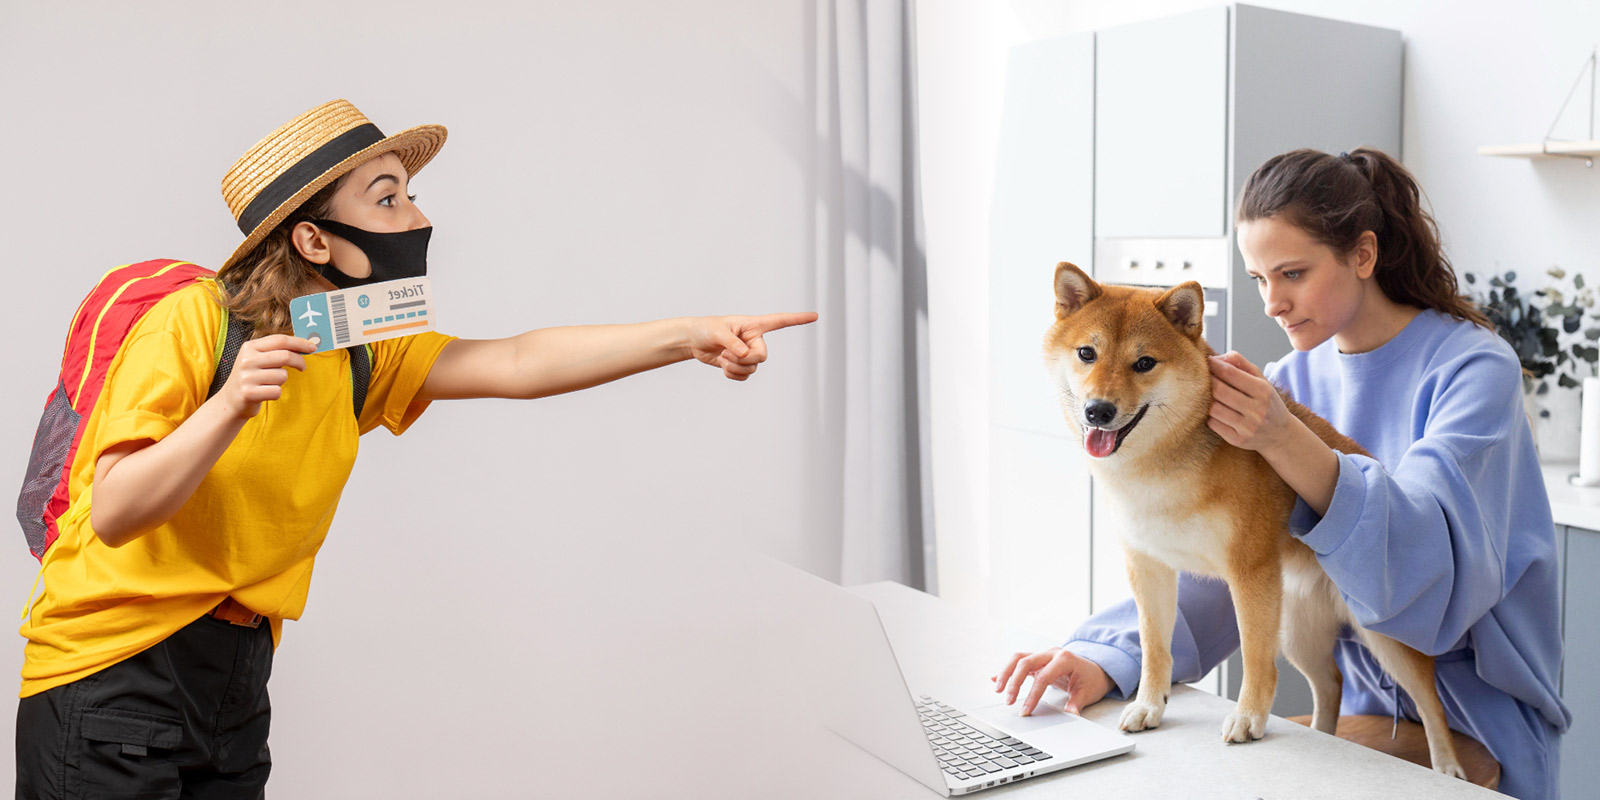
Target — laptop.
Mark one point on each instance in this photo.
(957, 748)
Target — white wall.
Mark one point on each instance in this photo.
(1476, 72)
(610, 161)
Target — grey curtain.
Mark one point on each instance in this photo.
(872, 288)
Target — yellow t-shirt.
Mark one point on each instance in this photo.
(255, 523)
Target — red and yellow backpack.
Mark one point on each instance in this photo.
(103, 320)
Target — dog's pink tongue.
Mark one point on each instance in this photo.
(1100, 443)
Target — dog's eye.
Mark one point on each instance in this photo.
(1086, 355)
(1144, 364)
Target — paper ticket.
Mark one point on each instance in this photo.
(364, 314)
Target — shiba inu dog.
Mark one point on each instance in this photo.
(1136, 389)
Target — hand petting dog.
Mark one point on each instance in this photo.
(1249, 412)
(1246, 409)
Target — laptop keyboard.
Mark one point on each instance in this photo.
(966, 747)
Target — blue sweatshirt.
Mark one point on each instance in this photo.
(1444, 542)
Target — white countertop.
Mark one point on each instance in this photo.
(1577, 506)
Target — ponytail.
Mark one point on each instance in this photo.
(1335, 199)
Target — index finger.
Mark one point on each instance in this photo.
(771, 322)
(1041, 681)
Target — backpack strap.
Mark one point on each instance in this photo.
(234, 333)
(230, 338)
(360, 375)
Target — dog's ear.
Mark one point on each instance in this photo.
(1073, 289)
(1184, 306)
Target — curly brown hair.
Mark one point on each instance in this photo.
(1335, 199)
(258, 287)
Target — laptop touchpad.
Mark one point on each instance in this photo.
(1043, 716)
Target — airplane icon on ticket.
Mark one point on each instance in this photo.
(311, 316)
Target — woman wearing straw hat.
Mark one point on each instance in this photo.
(146, 662)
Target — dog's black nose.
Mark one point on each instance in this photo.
(1100, 412)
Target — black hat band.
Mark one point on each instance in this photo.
(305, 171)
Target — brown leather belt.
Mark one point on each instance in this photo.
(234, 612)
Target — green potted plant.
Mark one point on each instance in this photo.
(1553, 333)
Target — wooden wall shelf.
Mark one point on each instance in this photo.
(1548, 149)
(1555, 148)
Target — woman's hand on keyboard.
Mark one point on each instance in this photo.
(1083, 680)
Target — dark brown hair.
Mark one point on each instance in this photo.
(1335, 199)
(258, 287)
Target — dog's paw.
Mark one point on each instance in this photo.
(1240, 727)
(1451, 768)
(1140, 715)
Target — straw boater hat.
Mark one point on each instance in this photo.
(299, 159)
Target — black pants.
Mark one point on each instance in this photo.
(186, 718)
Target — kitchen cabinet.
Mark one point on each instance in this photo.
(1561, 592)
(1580, 669)
(1161, 127)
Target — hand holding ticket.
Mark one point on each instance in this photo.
(371, 313)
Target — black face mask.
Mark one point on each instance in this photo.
(393, 255)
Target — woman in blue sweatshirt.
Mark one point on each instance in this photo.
(1443, 540)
